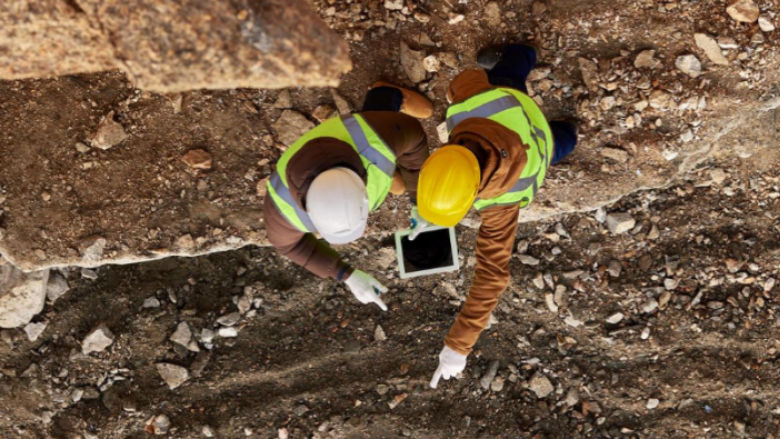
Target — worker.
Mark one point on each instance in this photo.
(499, 148)
(329, 179)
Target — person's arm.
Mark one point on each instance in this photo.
(405, 136)
(491, 276)
(467, 84)
(303, 248)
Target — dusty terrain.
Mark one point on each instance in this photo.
(665, 331)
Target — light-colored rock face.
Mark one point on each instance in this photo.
(22, 295)
(168, 46)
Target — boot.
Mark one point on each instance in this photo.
(414, 104)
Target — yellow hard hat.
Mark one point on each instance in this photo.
(448, 184)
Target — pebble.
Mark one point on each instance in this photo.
(442, 132)
(150, 302)
(529, 260)
(765, 24)
(228, 332)
(615, 154)
(487, 379)
(159, 425)
(620, 222)
(688, 64)
(646, 59)
(538, 281)
(744, 11)
(173, 374)
(412, 62)
(108, 134)
(229, 319)
(614, 268)
(323, 112)
(431, 63)
(197, 159)
(183, 336)
(645, 333)
(282, 433)
(710, 48)
(492, 14)
(290, 126)
(590, 74)
(379, 334)
(540, 385)
(208, 431)
(34, 330)
(687, 136)
(97, 341)
(57, 286)
(727, 43)
(652, 403)
(660, 100)
(616, 318)
(497, 385)
(382, 389)
(572, 397)
(397, 400)
(650, 306)
(394, 5)
(549, 300)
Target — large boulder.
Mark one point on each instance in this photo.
(169, 46)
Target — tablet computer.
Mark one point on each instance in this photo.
(435, 250)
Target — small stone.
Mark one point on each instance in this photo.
(549, 300)
(620, 222)
(283, 100)
(150, 302)
(207, 336)
(57, 286)
(98, 340)
(290, 126)
(92, 249)
(614, 268)
(109, 133)
(229, 332)
(397, 400)
(765, 24)
(229, 319)
(688, 64)
(645, 333)
(646, 60)
(727, 43)
(572, 397)
(342, 105)
(34, 330)
(394, 5)
(158, 425)
(323, 112)
(652, 403)
(497, 385)
(607, 102)
(449, 59)
(282, 433)
(616, 318)
(173, 375)
(653, 233)
(431, 63)
(540, 385)
(81, 147)
(487, 379)
(687, 136)
(197, 159)
(443, 133)
(455, 18)
(710, 48)
(671, 284)
(208, 431)
(590, 73)
(529, 260)
(660, 100)
(538, 281)
(650, 306)
(493, 14)
(382, 389)
(379, 334)
(744, 11)
(615, 154)
(412, 62)
(183, 337)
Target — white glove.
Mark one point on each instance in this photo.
(418, 224)
(451, 363)
(365, 288)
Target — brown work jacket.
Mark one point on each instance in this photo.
(501, 154)
(404, 136)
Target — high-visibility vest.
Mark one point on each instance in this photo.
(516, 111)
(376, 156)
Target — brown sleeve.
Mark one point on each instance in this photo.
(406, 137)
(494, 249)
(467, 84)
(302, 248)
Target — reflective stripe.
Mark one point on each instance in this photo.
(485, 110)
(284, 194)
(364, 147)
(523, 184)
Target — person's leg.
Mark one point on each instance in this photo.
(565, 137)
(517, 61)
(383, 99)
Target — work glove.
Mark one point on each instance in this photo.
(451, 363)
(418, 224)
(365, 288)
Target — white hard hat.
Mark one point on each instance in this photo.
(338, 205)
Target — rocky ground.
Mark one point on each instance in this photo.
(652, 316)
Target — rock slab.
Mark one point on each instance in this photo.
(22, 295)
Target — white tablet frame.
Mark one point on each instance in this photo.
(399, 254)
